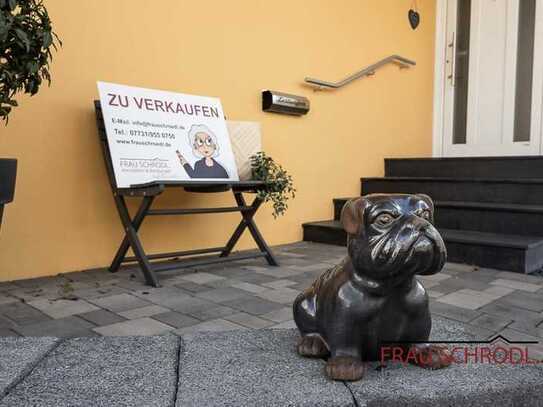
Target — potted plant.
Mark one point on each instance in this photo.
(26, 44)
(279, 185)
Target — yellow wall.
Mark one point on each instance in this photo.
(63, 218)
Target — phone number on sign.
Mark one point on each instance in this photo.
(154, 134)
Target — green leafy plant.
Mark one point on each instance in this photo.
(26, 41)
(279, 186)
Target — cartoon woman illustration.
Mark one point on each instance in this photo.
(204, 144)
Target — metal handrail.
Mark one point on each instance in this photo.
(368, 71)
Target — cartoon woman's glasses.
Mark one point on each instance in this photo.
(208, 142)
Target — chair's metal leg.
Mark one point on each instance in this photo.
(261, 243)
(257, 236)
(133, 239)
(234, 239)
(247, 222)
(148, 273)
(136, 223)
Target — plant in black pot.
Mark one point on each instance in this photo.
(26, 44)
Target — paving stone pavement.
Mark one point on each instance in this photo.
(247, 295)
(243, 368)
(135, 371)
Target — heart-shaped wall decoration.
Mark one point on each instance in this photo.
(414, 18)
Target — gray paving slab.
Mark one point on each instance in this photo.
(202, 277)
(444, 289)
(101, 317)
(459, 283)
(213, 325)
(6, 323)
(279, 283)
(31, 294)
(99, 292)
(119, 302)
(517, 285)
(527, 328)
(190, 287)
(529, 301)
(249, 321)
(143, 312)
(479, 332)
(463, 385)
(7, 286)
(453, 312)
(60, 308)
(536, 279)
(39, 282)
(280, 315)
(255, 306)
(7, 299)
(213, 313)
(22, 314)
(249, 287)
(136, 371)
(7, 332)
(227, 282)
(283, 295)
(176, 319)
(508, 311)
(161, 295)
(480, 276)
(470, 300)
(63, 327)
(254, 368)
(141, 326)
(222, 294)
(464, 268)
(191, 305)
(285, 325)
(256, 278)
(19, 356)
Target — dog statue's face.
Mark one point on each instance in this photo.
(391, 237)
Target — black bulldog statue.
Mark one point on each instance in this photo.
(372, 298)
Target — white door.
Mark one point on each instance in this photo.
(491, 77)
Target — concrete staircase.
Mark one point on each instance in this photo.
(489, 210)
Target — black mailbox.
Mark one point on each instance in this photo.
(278, 102)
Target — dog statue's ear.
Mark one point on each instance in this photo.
(352, 215)
(428, 200)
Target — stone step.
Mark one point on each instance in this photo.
(514, 219)
(521, 254)
(515, 191)
(467, 167)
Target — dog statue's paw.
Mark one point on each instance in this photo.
(312, 346)
(431, 356)
(345, 368)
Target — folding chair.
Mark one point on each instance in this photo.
(149, 191)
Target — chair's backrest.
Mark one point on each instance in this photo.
(8, 169)
(246, 141)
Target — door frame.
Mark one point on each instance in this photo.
(439, 78)
(438, 125)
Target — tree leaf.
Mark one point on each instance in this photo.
(23, 37)
(26, 42)
(47, 39)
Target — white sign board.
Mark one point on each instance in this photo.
(155, 135)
